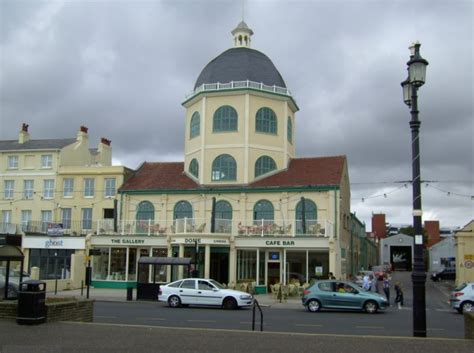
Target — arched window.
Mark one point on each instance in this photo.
(183, 209)
(224, 167)
(264, 165)
(225, 119)
(223, 217)
(263, 209)
(194, 168)
(266, 121)
(289, 132)
(311, 216)
(195, 125)
(145, 217)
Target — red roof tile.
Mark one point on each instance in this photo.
(321, 171)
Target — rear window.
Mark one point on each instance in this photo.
(175, 284)
(325, 286)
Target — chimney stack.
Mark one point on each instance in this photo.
(82, 135)
(24, 136)
(105, 141)
(379, 227)
(432, 232)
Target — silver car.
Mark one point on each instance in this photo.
(462, 298)
(13, 282)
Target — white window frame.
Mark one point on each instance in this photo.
(6, 216)
(66, 217)
(47, 161)
(48, 188)
(89, 189)
(12, 162)
(26, 216)
(86, 212)
(46, 217)
(68, 190)
(28, 189)
(9, 187)
(109, 190)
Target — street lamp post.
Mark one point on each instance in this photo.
(416, 79)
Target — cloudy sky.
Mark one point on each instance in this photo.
(122, 68)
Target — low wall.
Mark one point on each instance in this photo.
(68, 309)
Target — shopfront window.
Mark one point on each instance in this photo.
(118, 258)
(261, 268)
(53, 263)
(318, 265)
(296, 267)
(190, 251)
(246, 265)
(100, 264)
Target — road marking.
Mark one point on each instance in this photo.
(309, 325)
(444, 310)
(371, 327)
(245, 323)
(201, 320)
(435, 329)
(151, 318)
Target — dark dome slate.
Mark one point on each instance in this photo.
(240, 64)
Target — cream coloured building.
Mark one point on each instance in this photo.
(256, 212)
(53, 193)
(465, 253)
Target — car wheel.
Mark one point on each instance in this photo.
(467, 307)
(313, 305)
(229, 304)
(174, 301)
(371, 307)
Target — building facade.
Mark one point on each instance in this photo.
(54, 192)
(242, 205)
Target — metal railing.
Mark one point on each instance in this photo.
(248, 228)
(68, 228)
(8, 228)
(206, 87)
(256, 304)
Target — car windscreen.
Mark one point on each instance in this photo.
(217, 284)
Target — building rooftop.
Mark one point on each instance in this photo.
(47, 144)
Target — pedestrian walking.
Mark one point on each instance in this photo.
(366, 282)
(373, 284)
(387, 283)
(399, 293)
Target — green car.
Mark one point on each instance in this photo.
(343, 295)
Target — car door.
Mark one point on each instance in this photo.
(208, 294)
(325, 294)
(188, 292)
(344, 297)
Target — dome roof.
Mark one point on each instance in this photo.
(241, 64)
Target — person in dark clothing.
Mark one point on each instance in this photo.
(399, 293)
(386, 286)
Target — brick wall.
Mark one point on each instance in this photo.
(72, 310)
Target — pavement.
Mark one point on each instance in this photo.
(120, 295)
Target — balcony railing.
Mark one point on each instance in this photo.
(8, 228)
(309, 228)
(207, 87)
(68, 228)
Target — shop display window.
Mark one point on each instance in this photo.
(118, 258)
(318, 265)
(246, 265)
(53, 263)
(132, 264)
(296, 267)
(100, 264)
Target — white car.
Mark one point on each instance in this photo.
(201, 291)
(462, 298)
(13, 281)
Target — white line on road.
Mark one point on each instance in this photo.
(444, 310)
(435, 329)
(201, 320)
(371, 327)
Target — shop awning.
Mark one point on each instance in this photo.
(165, 260)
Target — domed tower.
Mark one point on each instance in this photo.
(240, 118)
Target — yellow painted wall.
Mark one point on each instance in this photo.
(465, 253)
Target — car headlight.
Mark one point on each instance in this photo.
(383, 298)
(245, 296)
